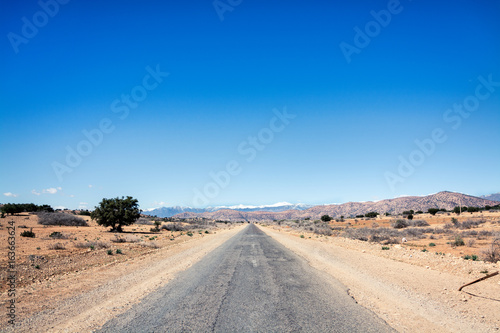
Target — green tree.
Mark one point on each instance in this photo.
(371, 214)
(116, 212)
(326, 218)
(432, 211)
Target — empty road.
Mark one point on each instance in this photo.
(249, 284)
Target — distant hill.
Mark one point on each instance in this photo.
(492, 197)
(278, 207)
(446, 200)
(171, 211)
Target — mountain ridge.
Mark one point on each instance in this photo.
(445, 199)
(174, 210)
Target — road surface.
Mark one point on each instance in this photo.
(249, 284)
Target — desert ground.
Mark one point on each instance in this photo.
(411, 285)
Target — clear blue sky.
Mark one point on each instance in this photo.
(65, 70)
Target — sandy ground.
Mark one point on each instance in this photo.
(409, 289)
(84, 300)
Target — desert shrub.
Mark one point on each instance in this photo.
(144, 221)
(189, 233)
(93, 245)
(27, 233)
(119, 251)
(57, 246)
(413, 233)
(385, 248)
(379, 235)
(432, 244)
(58, 235)
(419, 223)
(483, 234)
(439, 231)
(323, 231)
(375, 225)
(471, 242)
(60, 219)
(492, 253)
(400, 224)
(472, 257)
(173, 227)
(110, 252)
(458, 241)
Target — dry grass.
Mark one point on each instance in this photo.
(57, 246)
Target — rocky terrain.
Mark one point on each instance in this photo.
(444, 200)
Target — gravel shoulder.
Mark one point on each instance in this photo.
(83, 301)
(409, 289)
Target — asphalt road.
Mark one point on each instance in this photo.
(249, 284)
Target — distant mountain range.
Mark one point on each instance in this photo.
(493, 197)
(446, 200)
(278, 207)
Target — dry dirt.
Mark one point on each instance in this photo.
(410, 289)
(77, 290)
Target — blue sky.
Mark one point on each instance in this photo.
(328, 125)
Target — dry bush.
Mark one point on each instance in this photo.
(58, 235)
(60, 219)
(323, 231)
(400, 224)
(57, 246)
(94, 244)
(471, 242)
(173, 227)
(492, 253)
(419, 223)
(483, 234)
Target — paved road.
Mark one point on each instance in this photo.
(249, 284)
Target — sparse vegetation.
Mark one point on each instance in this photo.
(400, 224)
(58, 235)
(60, 219)
(492, 253)
(458, 241)
(93, 245)
(28, 233)
(57, 246)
